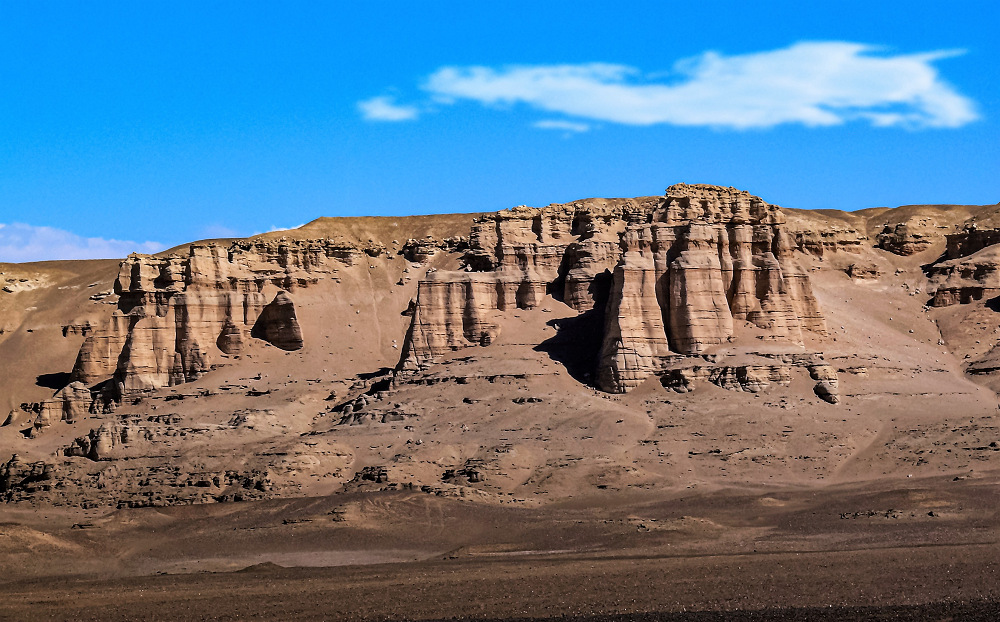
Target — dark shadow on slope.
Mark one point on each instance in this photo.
(927, 267)
(54, 381)
(384, 371)
(577, 342)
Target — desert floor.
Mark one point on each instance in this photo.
(904, 550)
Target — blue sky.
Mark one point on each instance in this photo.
(136, 126)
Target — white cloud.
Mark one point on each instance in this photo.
(811, 83)
(20, 243)
(386, 109)
(218, 231)
(566, 126)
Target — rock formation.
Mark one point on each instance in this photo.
(682, 272)
(863, 271)
(969, 241)
(971, 271)
(689, 293)
(821, 238)
(70, 403)
(178, 315)
(516, 257)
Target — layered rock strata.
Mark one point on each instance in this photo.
(757, 373)
(972, 270)
(821, 239)
(178, 315)
(969, 241)
(906, 238)
(515, 258)
(680, 273)
(711, 257)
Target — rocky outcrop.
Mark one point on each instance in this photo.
(19, 478)
(755, 373)
(906, 238)
(970, 240)
(712, 258)
(178, 315)
(70, 403)
(864, 271)
(421, 250)
(750, 378)
(514, 259)
(830, 237)
(972, 270)
(827, 383)
(276, 325)
(680, 273)
(108, 441)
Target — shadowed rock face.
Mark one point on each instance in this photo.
(278, 325)
(687, 267)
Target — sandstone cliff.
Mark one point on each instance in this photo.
(708, 296)
(177, 316)
(970, 270)
(678, 272)
(711, 257)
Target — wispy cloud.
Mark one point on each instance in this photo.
(385, 108)
(812, 84)
(20, 243)
(218, 231)
(566, 126)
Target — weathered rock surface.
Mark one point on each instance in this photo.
(756, 372)
(276, 324)
(703, 286)
(822, 237)
(420, 250)
(864, 271)
(19, 478)
(971, 271)
(679, 273)
(904, 239)
(177, 315)
(970, 240)
(68, 404)
(515, 258)
(711, 257)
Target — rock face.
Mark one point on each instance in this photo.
(70, 403)
(423, 249)
(907, 238)
(829, 237)
(971, 270)
(20, 478)
(679, 272)
(516, 257)
(863, 271)
(969, 241)
(754, 373)
(178, 315)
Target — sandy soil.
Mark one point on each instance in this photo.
(417, 556)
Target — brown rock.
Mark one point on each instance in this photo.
(683, 269)
(176, 315)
